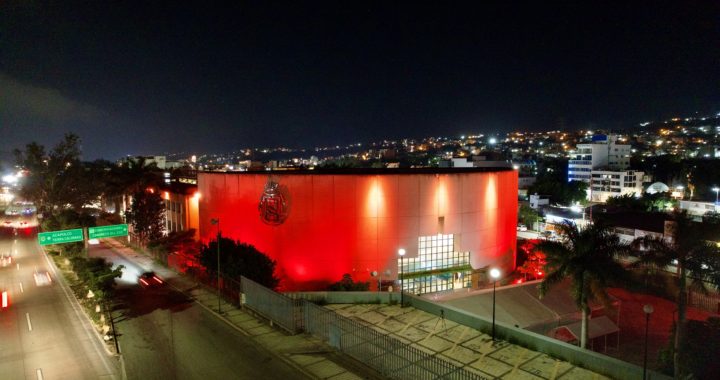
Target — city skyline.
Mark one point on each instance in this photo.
(138, 79)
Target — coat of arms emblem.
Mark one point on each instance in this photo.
(273, 204)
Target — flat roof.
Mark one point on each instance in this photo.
(362, 171)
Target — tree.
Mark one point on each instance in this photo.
(588, 257)
(561, 192)
(57, 178)
(132, 176)
(182, 243)
(528, 216)
(697, 260)
(534, 261)
(346, 284)
(97, 274)
(646, 202)
(146, 215)
(239, 259)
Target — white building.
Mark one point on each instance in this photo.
(699, 208)
(605, 184)
(602, 153)
(538, 200)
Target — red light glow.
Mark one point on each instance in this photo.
(4, 300)
(338, 223)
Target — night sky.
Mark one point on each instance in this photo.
(139, 78)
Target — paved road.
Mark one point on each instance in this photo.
(165, 335)
(43, 334)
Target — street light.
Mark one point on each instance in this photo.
(647, 309)
(401, 252)
(216, 221)
(716, 190)
(495, 274)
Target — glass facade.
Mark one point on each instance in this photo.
(438, 266)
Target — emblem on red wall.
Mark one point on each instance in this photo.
(274, 203)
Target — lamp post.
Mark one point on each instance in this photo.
(216, 221)
(401, 252)
(647, 309)
(495, 274)
(716, 190)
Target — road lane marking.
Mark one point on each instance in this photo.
(39, 374)
(21, 288)
(81, 316)
(18, 266)
(27, 315)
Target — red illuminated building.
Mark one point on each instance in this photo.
(318, 225)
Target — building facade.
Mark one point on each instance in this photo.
(604, 153)
(605, 184)
(452, 223)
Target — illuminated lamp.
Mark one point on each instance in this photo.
(401, 252)
(495, 274)
(197, 195)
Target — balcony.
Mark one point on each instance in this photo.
(579, 162)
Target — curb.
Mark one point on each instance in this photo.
(283, 358)
(79, 310)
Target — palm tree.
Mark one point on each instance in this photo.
(588, 257)
(696, 259)
(128, 178)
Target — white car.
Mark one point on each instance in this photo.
(521, 227)
(42, 278)
(5, 260)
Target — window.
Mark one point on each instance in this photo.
(437, 256)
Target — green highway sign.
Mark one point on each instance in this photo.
(60, 237)
(107, 231)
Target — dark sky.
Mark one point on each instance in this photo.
(146, 77)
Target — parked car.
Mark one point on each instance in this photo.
(521, 227)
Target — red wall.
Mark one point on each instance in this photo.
(355, 223)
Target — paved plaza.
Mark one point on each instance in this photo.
(461, 345)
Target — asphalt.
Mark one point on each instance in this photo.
(458, 344)
(309, 355)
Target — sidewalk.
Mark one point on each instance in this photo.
(458, 344)
(309, 355)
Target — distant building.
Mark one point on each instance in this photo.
(605, 184)
(604, 166)
(181, 207)
(699, 208)
(603, 153)
(474, 162)
(538, 200)
(160, 162)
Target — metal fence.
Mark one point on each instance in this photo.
(389, 356)
(708, 302)
(285, 311)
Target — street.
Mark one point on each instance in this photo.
(43, 333)
(166, 335)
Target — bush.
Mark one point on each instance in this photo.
(346, 284)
